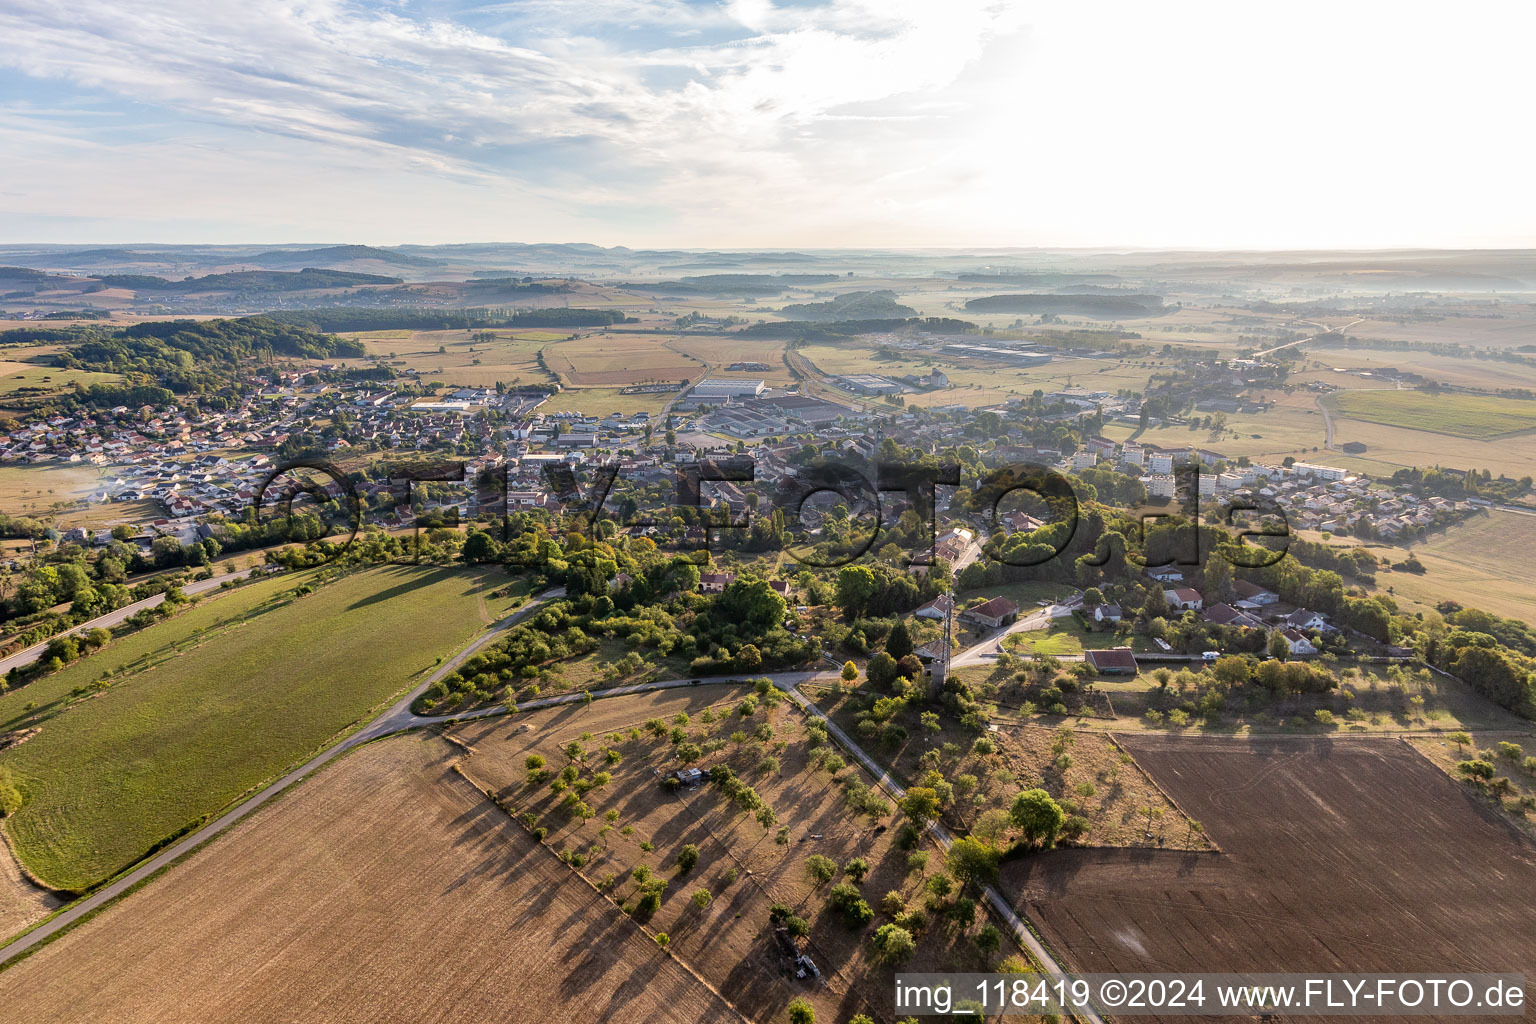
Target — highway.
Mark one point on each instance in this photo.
(1322, 330)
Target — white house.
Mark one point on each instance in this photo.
(1184, 599)
(1301, 618)
(935, 609)
(1297, 641)
(1251, 595)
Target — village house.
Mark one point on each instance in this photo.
(1112, 661)
(1184, 599)
(1298, 643)
(936, 609)
(992, 614)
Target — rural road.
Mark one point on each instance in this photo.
(400, 718)
(396, 719)
(1324, 329)
(883, 778)
(991, 645)
(26, 657)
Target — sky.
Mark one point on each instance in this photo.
(843, 123)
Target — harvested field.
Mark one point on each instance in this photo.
(1475, 562)
(728, 940)
(21, 902)
(611, 360)
(384, 889)
(1337, 855)
(603, 401)
(31, 490)
(464, 357)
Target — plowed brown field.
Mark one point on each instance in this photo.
(1337, 856)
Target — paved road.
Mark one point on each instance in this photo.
(396, 719)
(29, 655)
(399, 718)
(1003, 908)
(991, 645)
(1322, 330)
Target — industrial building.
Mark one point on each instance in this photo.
(720, 389)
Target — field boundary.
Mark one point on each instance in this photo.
(1484, 807)
(457, 768)
(1215, 846)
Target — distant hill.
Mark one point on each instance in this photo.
(880, 305)
(1038, 280)
(332, 254)
(98, 257)
(248, 281)
(733, 284)
(1117, 304)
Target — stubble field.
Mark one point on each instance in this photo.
(612, 360)
(741, 864)
(386, 888)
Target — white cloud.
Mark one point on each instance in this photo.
(748, 122)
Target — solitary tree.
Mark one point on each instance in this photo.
(800, 1012)
(820, 869)
(921, 804)
(1038, 816)
(893, 942)
(972, 861)
(1278, 647)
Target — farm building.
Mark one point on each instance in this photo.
(1116, 660)
(999, 611)
(1184, 599)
